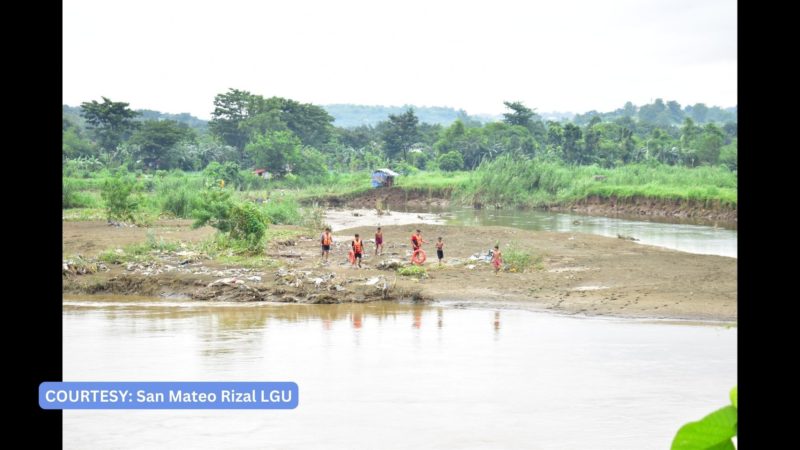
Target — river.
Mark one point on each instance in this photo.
(397, 376)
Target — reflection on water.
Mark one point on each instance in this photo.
(398, 375)
(701, 239)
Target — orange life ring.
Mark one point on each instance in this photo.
(418, 257)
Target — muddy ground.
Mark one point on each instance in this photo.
(578, 273)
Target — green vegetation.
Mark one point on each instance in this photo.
(413, 271)
(140, 165)
(72, 197)
(518, 259)
(536, 182)
(714, 431)
(140, 252)
(244, 224)
(117, 195)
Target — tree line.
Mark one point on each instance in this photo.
(290, 138)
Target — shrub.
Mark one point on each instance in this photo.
(451, 161)
(214, 209)
(517, 259)
(413, 271)
(117, 194)
(244, 223)
(230, 172)
(248, 224)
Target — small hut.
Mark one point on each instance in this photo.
(262, 173)
(383, 177)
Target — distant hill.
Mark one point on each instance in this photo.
(348, 116)
(73, 113)
(188, 119)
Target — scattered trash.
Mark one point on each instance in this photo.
(226, 281)
(391, 264)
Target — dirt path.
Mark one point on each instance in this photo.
(579, 273)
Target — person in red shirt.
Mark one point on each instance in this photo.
(497, 259)
(378, 242)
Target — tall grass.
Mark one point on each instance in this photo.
(176, 195)
(283, 211)
(73, 197)
(530, 183)
(519, 259)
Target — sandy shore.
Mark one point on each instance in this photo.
(578, 273)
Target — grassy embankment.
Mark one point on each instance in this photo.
(506, 181)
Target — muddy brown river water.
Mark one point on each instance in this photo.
(397, 376)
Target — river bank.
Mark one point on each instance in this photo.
(577, 273)
(639, 208)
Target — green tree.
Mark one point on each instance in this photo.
(275, 151)
(655, 113)
(451, 139)
(629, 109)
(555, 134)
(690, 134)
(240, 116)
(451, 161)
(504, 138)
(519, 115)
(110, 122)
(231, 110)
(572, 144)
(729, 155)
(400, 134)
(698, 112)
(475, 147)
(591, 141)
(310, 123)
(710, 144)
(310, 164)
(157, 140)
(675, 112)
(661, 147)
(731, 130)
(357, 137)
(197, 154)
(73, 142)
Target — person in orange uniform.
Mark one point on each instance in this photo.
(358, 249)
(418, 255)
(326, 240)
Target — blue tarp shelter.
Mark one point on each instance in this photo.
(383, 177)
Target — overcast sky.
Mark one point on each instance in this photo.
(555, 55)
